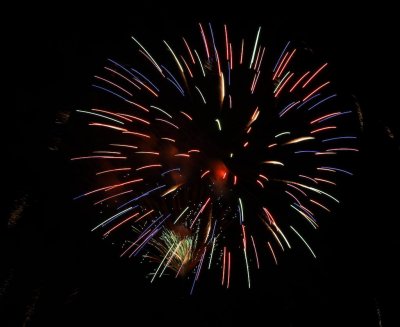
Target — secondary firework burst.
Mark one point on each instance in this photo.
(216, 154)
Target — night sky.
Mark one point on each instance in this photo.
(54, 272)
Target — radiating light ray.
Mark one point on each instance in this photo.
(134, 243)
(276, 237)
(223, 266)
(142, 195)
(107, 152)
(307, 217)
(201, 94)
(167, 122)
(161, 110)
(280, 57)
(274, 162)
(149, 166)
(255, 251)
(161, 263)
(149, 237)
(167, 139)
(226, 42)
(200, 212)
(222, 89)
(294, 198)
(172, 189)
(113, 84)
(304, 241)
(120, 224)
(124, 146)
(108, 126)
(148, 88)
(308, 101)
(107, 221)
(299, 81)
(148, 54)
(123, 77)
(144, 215)
(175, 57)
(316, 191)
(229, 271)
(308, 81)
(174, 81)
(301, 191)
(324, 181)
(198, 270)
(335, 170)
(339, 138)
(299, 139)
(111, 187)
(102, 116)
(187, 67)
(343, 149)
(97, 157)
(322, 129)
(320, 205)
(113, 170)
(245, 255)
(257, 57)
(282, 84)
(219, 124)
(205, 173)
(119, 115)
(241, 211)
(169, 171)
(186, 115)
(214, 47)
(201, 65)
(323, 118)
(316, 90)
(241, 51)
(286, 62)
(258, 68)
(272, 252)
(124, 69)
(110, 92)
(146, 79)
(306, 151)
(281, 134)
(211, 253)
(280, 66)
(111, 197)
(255, 47)
(137, 134)
(288, 107)
(188, 49)
(204, 40)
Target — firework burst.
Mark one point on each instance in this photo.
(217, 154)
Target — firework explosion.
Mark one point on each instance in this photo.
(216, 156)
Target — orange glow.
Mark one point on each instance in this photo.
(220, 170)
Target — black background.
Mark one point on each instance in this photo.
(54, 272)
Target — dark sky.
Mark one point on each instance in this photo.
(53, 272)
